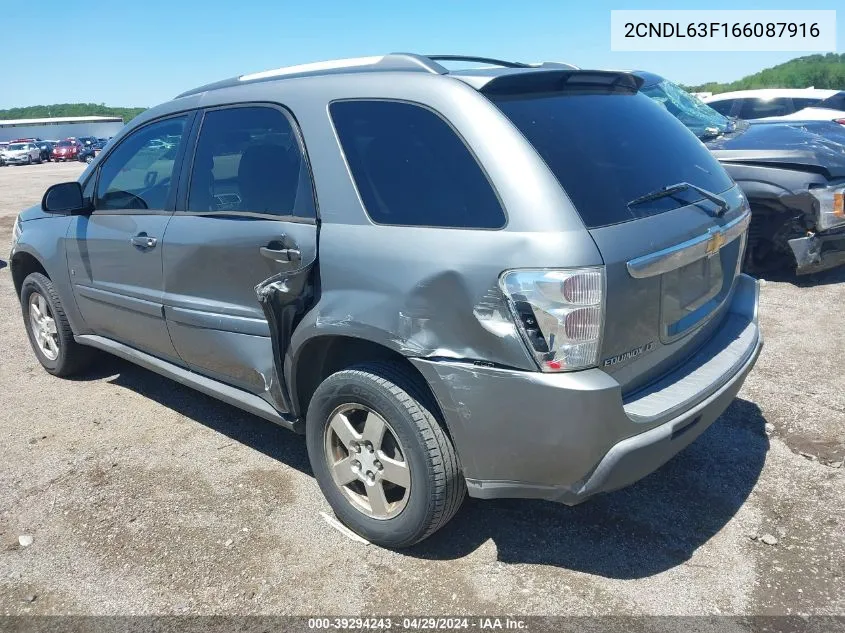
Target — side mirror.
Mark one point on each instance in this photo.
(64, 198)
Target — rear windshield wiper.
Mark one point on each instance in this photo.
(682, 186)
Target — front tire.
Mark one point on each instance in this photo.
(48, 329)
(381, 458)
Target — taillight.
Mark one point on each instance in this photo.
(559, 312)
(839, 121)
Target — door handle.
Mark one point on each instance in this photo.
(142, 240)
(281, 254)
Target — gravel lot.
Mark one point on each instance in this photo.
(143, 496)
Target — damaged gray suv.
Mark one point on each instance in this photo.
(513, 280)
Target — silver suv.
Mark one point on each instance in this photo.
(514, 281)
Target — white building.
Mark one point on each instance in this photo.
(59, 128)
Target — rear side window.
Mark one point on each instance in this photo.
(248, 159)
(799, 103)
(412, 169)
(609, 149)
(762, 108)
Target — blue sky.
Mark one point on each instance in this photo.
(142, 53)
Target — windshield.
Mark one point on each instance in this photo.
(699, 117)
(17, 146)
(65, 143)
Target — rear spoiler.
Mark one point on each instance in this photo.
(557, 80)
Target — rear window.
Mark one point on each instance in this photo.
(607, 150)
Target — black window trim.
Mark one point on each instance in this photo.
(455, 131)
(180, 155)
(186, 175)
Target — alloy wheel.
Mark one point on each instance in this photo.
(367, 461)
(43, 326)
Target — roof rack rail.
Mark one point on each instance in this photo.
(562, 65)
(393, 61)
(480, 60)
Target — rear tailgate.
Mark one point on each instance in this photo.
(668, 279)
(672, 256)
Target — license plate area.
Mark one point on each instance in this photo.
(691, 293)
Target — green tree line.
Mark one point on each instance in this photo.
(69, 109)
(819, 71)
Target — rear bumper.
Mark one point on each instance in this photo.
(566, 437)
(819, 251)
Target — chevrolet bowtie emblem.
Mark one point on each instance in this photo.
(715, 242)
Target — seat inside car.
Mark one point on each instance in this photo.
(268, 177)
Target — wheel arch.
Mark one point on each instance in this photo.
(324, 354)
(24, 264)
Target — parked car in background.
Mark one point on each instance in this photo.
(3, 145)
(793, 174)
(21, 154)
(831, 109)
(764, 103)
(563, 311)
(46, 150)
(87, 141)
(66, 150)
(89, 153)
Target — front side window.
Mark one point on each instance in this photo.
(138, 173)
(248, 159)
(412, 169)
(762, 108)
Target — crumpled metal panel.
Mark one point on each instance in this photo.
(285, 298)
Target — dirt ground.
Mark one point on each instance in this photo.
(144, 497)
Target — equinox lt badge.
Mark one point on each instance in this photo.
(621, 358)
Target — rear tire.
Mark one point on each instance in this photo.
(432, 487)
(44, 318)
